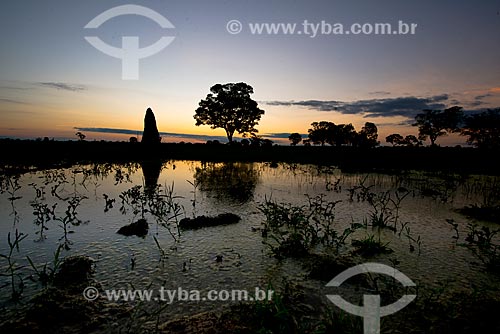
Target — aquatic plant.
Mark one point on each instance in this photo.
(13, 186)
(39, 191)
(273, 316)
(297, 229)
(43, 214)
(108, 202)
(369, 246)
(385, 205)
(482, 242)
(13, 268)
(336, 321)
(334, 186)
(440, 187)
(136, 199)
(412, 241)
(70, 218)
(10, 184)
(46, 274)
(455, 228)
(159, 201)
(163, 253)
(195, 184)
(166, 210)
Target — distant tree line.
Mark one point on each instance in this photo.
(482, 129)
(230, 107)
(325, 132)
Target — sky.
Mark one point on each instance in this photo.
(53, 82)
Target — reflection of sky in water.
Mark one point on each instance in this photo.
(237, 188)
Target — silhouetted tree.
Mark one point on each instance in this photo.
(231, 108)
(150, 134)
(81, 136)
(331, 133)
(320, 132)
(367, 137)
(341, 134)
(258, 141)
(436, 123)
(411, 140)
(133, 139)
(394, 139)
(295, 138)
(483, 130)
(398, 140)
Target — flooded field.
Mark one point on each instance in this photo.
(410, 221)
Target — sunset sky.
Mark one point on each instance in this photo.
(54, 83)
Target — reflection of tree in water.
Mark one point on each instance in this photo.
(227, 181)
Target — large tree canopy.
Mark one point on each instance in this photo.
(320, 132)
(437, 123)
(367, 137)
(295, 138)
(331, 133)
(231, 108)
(483, 130)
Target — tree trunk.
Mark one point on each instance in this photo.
(229, 136)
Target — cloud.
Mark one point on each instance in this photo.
(166, 134)
(283, 135)
(15, 88)
(478, 100)
(381, 92)
(400, 106)
(311, 104)
(181, 136)
(63, 86)
(13, 101)
(480, 97)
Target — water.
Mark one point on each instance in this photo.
(213, 188)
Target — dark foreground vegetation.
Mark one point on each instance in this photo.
(47, 154)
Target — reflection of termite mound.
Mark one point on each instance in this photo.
(231, 181)
(151, 171)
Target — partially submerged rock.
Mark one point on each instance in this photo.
(325, 267)
(206, 221)
(138, 228)
(486, 213)
(74, 271)
(61, 308)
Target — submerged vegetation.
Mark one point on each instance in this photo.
(332, 222)
(296, 230)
